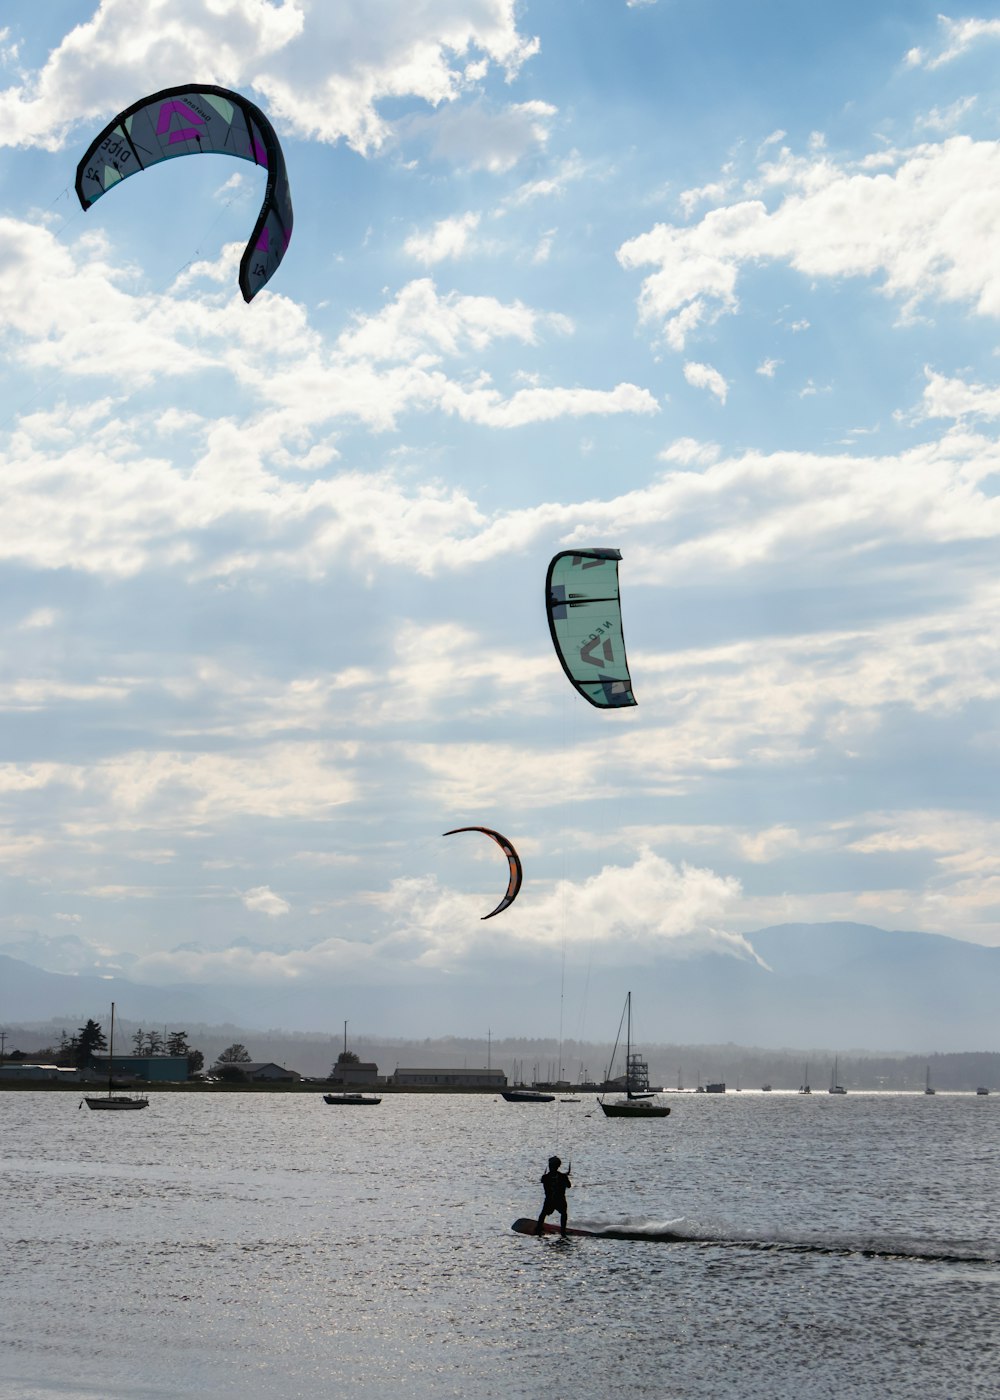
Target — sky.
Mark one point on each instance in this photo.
(714, 283)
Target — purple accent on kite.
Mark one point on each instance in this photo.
(260, 155)
(167, 111)
(264, 240)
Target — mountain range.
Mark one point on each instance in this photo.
(837, 984)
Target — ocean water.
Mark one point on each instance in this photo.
(269, 1247)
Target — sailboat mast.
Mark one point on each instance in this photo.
(111, 1050)
(628, 1048)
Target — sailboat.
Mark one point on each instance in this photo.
(804, 1086)
(353, 1099)
(638, 1101)
(114, 1100)
(927, 1083)
(518, 1092)
(835, 1088)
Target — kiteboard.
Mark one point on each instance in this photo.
(524, 1226)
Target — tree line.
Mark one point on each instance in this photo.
(79, 1049)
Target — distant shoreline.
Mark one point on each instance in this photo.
(93, 1090)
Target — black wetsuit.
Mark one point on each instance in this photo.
(556, 1184)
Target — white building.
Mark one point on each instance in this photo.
(356, 1074)
(20, 1070)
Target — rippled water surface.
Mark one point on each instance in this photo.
(269, 1247)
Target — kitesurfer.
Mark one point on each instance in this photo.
(556, 1184)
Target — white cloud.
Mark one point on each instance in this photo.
(449, 238)
(263, 900)
(947, 118)
(689, 452)
(767, 368)
(323, 69)
(552, 185)
(39, 618)
(142, 790)
(82, 320)
(649, 907)
(701, 376)
(712, 193)
(956, 398)
(959, 36)
(926, 228)
(475, 137)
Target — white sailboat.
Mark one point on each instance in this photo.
(927, 1083)
(835, 1088)
(112, 1100)
(639, 1101)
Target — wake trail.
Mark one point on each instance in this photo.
(681, 1232)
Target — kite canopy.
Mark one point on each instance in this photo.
(513, 860)
(585, 619)
(191, 120)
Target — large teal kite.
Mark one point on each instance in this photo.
(585, 619)
(191, 120)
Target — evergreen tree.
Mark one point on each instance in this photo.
(88, 1039)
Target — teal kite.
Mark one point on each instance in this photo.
(585, 620)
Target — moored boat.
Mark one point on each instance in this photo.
(639, 1101)
(111, 1100)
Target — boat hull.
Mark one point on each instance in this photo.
(116, 1103)
(352, 1100)
(635, 1110)
(526, 1096)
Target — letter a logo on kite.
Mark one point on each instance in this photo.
(167, 112)
(587, 652)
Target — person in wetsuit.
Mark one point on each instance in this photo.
(556, 1184)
